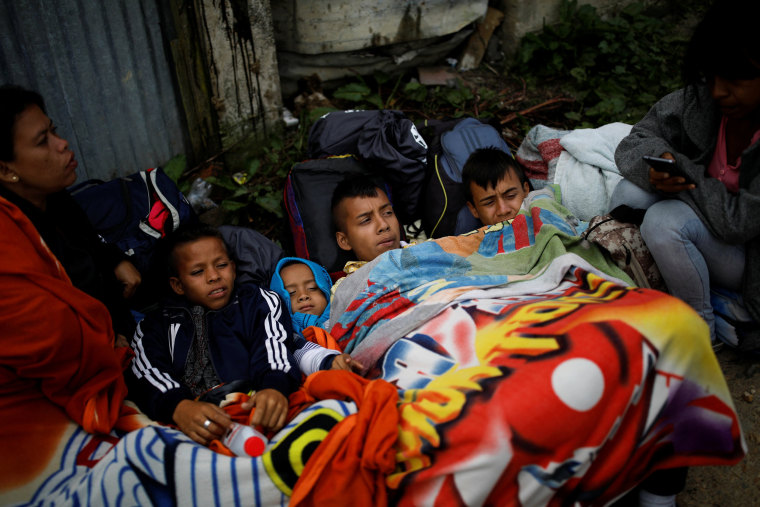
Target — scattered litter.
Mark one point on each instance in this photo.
(199, 196)
(478, 42)
(405, 57)
(311, 101)
(288, 118)
(240, 178)
(438, 76)
(747, 396)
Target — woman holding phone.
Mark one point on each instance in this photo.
(702, 222)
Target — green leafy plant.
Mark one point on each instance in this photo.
(175, 167)
(616, 68)
(254, 194)
(365, 97)
(387, 93)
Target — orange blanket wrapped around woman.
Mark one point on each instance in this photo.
(57, 359)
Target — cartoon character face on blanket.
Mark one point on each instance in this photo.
(411, 363)
(535, 397)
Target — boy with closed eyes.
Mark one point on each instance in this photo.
(211, 331)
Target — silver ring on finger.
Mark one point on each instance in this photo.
(206, 423)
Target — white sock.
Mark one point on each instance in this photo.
(647, 499)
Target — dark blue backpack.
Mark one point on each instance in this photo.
(134, 212)
(387, 144)
(450, 143)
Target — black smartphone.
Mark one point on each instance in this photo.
(666, 165)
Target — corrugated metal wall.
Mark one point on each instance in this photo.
(105, 77)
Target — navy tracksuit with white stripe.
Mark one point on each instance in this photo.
(250, 338)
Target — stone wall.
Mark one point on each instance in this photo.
(525, 16)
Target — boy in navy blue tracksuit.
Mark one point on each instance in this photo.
(211, 331)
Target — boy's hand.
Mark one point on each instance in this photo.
(271, 409)
(191, 417)
(127, 274)
(344, 362)
(121, 341)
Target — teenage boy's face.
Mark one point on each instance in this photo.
(495, 204)
(206, 274)
(305, 295)
(370, 226)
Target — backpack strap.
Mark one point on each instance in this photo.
(153, 174)
(591, 229)
(143, 224)
(445, 197)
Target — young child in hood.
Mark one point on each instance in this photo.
(305, 286)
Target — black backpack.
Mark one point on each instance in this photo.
(386, 142)
(308, 194)
(450, 143)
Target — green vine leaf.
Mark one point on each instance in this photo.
(232, 205)
(224, 182)
(175, 167)
(354, 92)
(271, 203)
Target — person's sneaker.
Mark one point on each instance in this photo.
(731, 317)
(725, 333)
(647, 499)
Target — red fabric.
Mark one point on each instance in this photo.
(538, 167)
(57, 356)
(337, 275)
(349, 467)
(297, 401)
(157, 217)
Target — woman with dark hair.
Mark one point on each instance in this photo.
(36, 166)
(701, 223)
(59, 369)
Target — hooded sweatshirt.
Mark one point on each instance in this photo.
(309, 356)
(303, 320)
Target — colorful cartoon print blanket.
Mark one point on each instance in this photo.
(530, 372)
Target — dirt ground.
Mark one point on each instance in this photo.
(737, 485)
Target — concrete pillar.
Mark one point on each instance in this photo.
(242, 62)
(234, 70)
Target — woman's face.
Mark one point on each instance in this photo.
(43, 163)
(736, 98)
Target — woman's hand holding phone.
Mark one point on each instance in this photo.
(664, 174)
